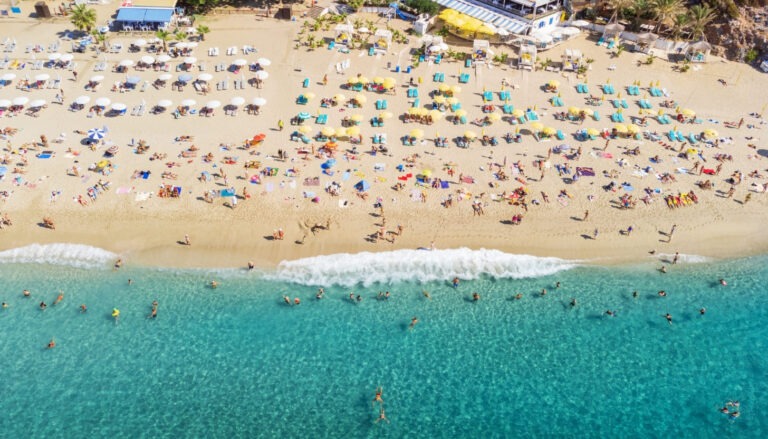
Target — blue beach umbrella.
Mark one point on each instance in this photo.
(133, 80)
(304, 115)
(185, 78)
(328, 164)
(96, 134)
(362, 186)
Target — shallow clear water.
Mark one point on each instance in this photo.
(237, 362)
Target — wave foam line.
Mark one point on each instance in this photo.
(414, 265)
(74, 255)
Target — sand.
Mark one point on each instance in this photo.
(151, 232)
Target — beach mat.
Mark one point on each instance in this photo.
(585, 172)
(124, 190)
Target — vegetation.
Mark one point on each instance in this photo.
(83, 17)
(202, 30)
(164, 36)
(751, 55)
(422, 6)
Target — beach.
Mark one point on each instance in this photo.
(132, 221)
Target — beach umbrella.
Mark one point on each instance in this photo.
(353, 131)
(361, 98)
(443, 87)
(574, 110)
(119, 106)
(8, 76)
(633, 129)
(96, 78)
(165, 103)
(494, 117)
(426, 172)
(259, 101)
(435, 115)
(165, 77)
(67, 57)
(328, 164)
(364, 80)
(687, 112)
(146, 59)
(414, 110)
(593, 132)
(126, 63)
(191, 44)
(186, 77)
(621, 128)
(190, 60)
(133, 80)
(470, 134)
(455, 89)
(54, 56)
(163, 58)
(537, 126)
(304, 129)
(182, 45)
(353, 80)
(141, 42)
(262, 75)
(389, 83)
(303, 115)
(340, 132)
(42, 77)
(461, 113)
(357, 117)
(378, 80)
(237, 101)
(188, 102)
(205, 77)
(517, 112)
(82, 100)
(5, 103)
(96, 134)
(417, 133)
(239, 62)
(339, 97)
(37, 103)
(385, 115)
(439, 99)
(264, 62)
(21, 100)
(362, 186)
(554, 83)
(549, 131)
(710, 133)
(328, 131)
(213, 104)
(309, 95)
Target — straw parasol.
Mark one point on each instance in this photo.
(304, 129)
(385, 115)
(328, 131)
(537, 126)
(417, 133)
(361, 98)
(353, 131)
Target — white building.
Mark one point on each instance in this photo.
(520, 17)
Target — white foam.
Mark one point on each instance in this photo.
(414, 265)
(682, 258)
(74, 255)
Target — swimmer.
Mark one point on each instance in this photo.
(59, 298)
(426, 294)
(359, 298)
(251, 266)
(130, 282)
(557, 284)
(27, 293)
(154, 303)
(518, 296)
(662, 293)
(43, 306)
(5, 305)
(733, 403)
(116, 314)
(382, 416)
(634, 294)
(287, 300)
(297, 301)
(475, 297)
(214, 284)
(377, 398)
(723, 282)
(414, 321)
(153, 314)
(118, 263)
(455, 282)
(703, 311)
(732, 415)
(51, 344)
(573, 302)
(724, 410)
(320, 294)
(543, 292)
(83, 308)
(668, 316)
(663, 269)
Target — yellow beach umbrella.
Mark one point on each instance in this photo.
(452, 100)
(710, 133)
(309, 95)
(537, 126)
(554, 83)
(353, 80)
(385, 115)
(461, 113)
(361, 98)
(340, 132)
(470, 134)
(593, 132)
(390, 79)
(389, 83)
(455, 89)
(436, 115)
(426, 172)
(687, 112)
(518, 112)
(339, 97)
(620, 128)
(304, 129)
(363, 80)
(661, 112)
(494, 117)
(353, 131)
(443, 87)
(573, 110)
(549, 131)
(633, 129)
(378, 80)
(417, 133)
(439, 99)
(414, 110)
(357, 117)
(328, 131)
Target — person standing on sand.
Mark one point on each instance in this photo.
(280, 124)
(186, 240)
(586, 215)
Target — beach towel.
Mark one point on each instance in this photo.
(627, 187)
(563, 201)
(468, 179)
(314, 181)
(45, 155)
(292, 184)
(405, 177)
(444, 184)
(605, 155)
(415, 195)
(345, 176)
(145, 174)
(343, 204)
(709, 171)
(227, 192)
(143, 196)
(270, 187)
(309, 194)
(124, 190)
(585, 172)
(379, 166)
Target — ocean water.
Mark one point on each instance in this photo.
(237, 362)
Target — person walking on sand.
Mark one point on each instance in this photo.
(280, 124)
(186, 240)
(586, 215)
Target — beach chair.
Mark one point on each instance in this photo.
(371, 51)
(600, 41)
(413, 92)
(302, 100)
(507, 108)
(456, 106)
(487, 96)
(531, 115)
(560, 135)
(416, 102)
(468, 63)
(438, 58)
(464, 78)
(624, 103)
(611, 44)
(596, 115)
(436, 77)
(321, 119)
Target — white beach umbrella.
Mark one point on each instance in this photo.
(37, 103)
(21, 100)
(119, 106)
(146, 59)
(205, 77)
(96, 134)
(102, 102)
(239, 62)
(165, 103)
(5, 103)
(364, 30)
(213, 104)
(192, 44)
(140, 42)
(188, 102)
(165, 77)
(190, 60)
(580, 23)
(97, 78)
(259, 101)
(237, 101)
(126, 63)
(42, 77)
(163, 58)
(262, 74)
(67, 57)
(182, 45)
(82, 100)
(264, 62)
(54, 56)
(8, 77)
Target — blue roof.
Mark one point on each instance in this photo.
(147, 15)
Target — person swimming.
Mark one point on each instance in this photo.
(43, 306)
(320, 294)
(377, 398)
(518, 296)
(723, 282)
(573, 302)
(662, 293)
(214, 284)
(414, 321)
(475, 297)
(297, 301)
(702, 311)
(27, 293)
(51, 344)
(59, 298)
(83, 308)
(455, 282)
(668, 316)
(287, 300)
(426, 294)
(382, 416)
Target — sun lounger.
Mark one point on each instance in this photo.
(507, 108)
(560, 135)
(321, 119)
(413, 92)
(464, 78)
(487, 96)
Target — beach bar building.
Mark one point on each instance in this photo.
(519, 17)
(698, 51)
(526, 56)
(344, 33)
(382, 40)
(145, 15)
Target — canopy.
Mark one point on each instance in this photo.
(146, 15)
(259, 101)
(82, 100)
(96, 134)
(237, 101)
(165, 103)
(362, 186)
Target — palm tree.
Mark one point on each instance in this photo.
(701, 16)
(664, 10)
(619, 6)
(164, 36)
(202, 30)
(100, 38)
(83, 17)
(680, 24)
(179, 36)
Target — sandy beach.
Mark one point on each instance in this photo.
(132, 220)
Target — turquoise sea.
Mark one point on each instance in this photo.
(236, 361)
